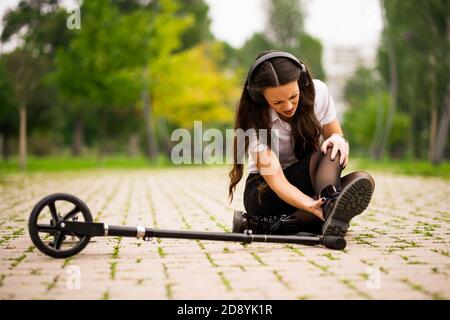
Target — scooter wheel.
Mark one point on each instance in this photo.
(43, 223)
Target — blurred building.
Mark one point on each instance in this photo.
(340, 62)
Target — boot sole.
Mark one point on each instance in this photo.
(352, 201)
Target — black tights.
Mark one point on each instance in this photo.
(324, 171)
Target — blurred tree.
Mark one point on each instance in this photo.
(165, 32)
(204, 92)
(422, 74)
(37, 26)
(41, 25)
(25, 74)
(110, 61)
(8, 111)
(366, 117)
(382, 138)
(199, 31)
(285, 23)
(285, 31)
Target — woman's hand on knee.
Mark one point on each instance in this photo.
(338, 143)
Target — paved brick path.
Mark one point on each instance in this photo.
(399, 248)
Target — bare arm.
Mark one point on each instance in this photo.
(330, 128)
(270, 168)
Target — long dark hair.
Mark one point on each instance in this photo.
(249, 114)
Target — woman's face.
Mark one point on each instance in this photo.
(283, 99)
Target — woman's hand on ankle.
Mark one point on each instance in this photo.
(315, 207)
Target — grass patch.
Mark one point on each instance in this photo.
(161, 252)
(406, 167)
(258, 258)
(35, 272)
(169, 292)
(330, 256)
(105, 295)
(443, 252)
(280, 278)
(350, 285)
(295, 250)
(66, 262)
(30, 249)
(52, 284)
(211, 260)
(65, 162)
(115, 254)
(18, 260)
(225, 281)
(315, 264)
(68, 163)
(113, 270)
(419, 288)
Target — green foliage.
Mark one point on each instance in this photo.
(93, 78)
(199, 31)
(8, 118)
(41, 25)
(310, 51)
(367, 106)
(113, 57)
(192, 87)
(421, 47)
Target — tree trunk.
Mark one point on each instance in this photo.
(442, 135)
(2, 146)
(133, 145)
(6, 152)
(77, 143)
(23, 138)
(432, 141)
(165, 134)
(412, 140)
(152, 149)
(393, 76)
(379, 121)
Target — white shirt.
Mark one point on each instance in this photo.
(325, 113)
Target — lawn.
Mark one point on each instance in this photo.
(67, 163)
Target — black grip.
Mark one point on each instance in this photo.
(335, 243)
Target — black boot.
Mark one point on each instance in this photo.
(331, 194)
(341, 206)
(284, 224)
